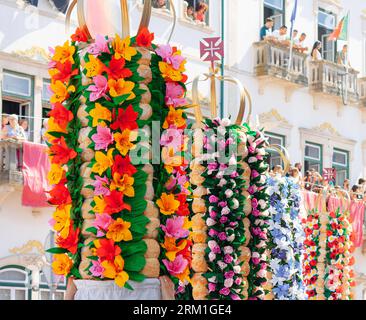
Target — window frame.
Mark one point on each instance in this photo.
(328, 30)
(271, 7)
(314, 160)
(19, 76)
(339, 166)
(14, 285)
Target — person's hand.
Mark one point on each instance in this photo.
(167, 288)
(70, 290)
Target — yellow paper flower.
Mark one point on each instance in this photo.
(115, 271)
(100, 113)
(54, 127)
(185, 275)
(167, 204)
(62, 220)
(167, 71)
(64, 53)
(104, 161)
(123, 141)
(99, 204)
(120, 88)
(60, 92)
(124, 184)
(94, 67)
(171, 248)
(62, 264)
(119, 231)
(174, 118)
(122, 48)
(55, 174)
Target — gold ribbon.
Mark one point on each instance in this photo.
(213, 76)
(125, 19)
(283, 152)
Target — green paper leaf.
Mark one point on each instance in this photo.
(57, 250)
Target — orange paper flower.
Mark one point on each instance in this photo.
(62, 264)
(168, 204)
(64, 53)
(114, 270)
(121, 87)
(119, 231)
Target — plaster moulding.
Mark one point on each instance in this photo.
(273, 119)
(32, 246)
(35, 53)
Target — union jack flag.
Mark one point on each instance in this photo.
(329, 174)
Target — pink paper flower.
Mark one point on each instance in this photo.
(100, 186)
(172, 138)
(176, 267)
(234, 297)
(102, 223)
(222, 236)
(223, 220)
(96, 269)
(174, 228)
(99, 88)
(99, 46)
(211, 287)
(103, 138)
(213, 199)
(229, 274)
(166, 52)
(225, 291)
(228, 258)
(174, 95)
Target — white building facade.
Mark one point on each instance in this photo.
(306, 110)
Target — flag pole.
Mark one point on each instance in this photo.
(293, 17)
(347, 54)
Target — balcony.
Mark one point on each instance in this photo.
(330, 78)
(362, 91)
(10, 163)
(272, 60)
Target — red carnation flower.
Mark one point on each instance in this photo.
(61, 115)
(60, 195)
(123, 166)
(144, 38)
(80, 35)
(108, 250)
(65, 72)
(60, 152)
(117, 70)
(126, 119)
(115, 203)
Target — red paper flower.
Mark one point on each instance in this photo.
(107, 250)
(186, 252)
(64, 72)
(117, 70)
(123, 166)
(126, 119)
(60, 195)
(183, 209)
(80, 35)
(144, 38)
(61, 115)
(71, 242)
(61, 153)
(114, 203)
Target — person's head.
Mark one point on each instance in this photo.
(283, 30)
(356, 188)
(317, 45)
(4, 120)
(13, 120)
(298, 165)
(346, 184)
(302, 37)
(361, 181)
(190, 10)
(307, 173)
(159, 3)
(201, 7)
(345, 48)
(295, 33)
(24, 124)
(294, 172)
(269, 23)
(312, 171)
(277, 169)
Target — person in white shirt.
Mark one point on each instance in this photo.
(281, 36)
(299, 43)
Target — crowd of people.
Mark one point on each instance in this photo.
(195, 10)
(18, 129)
(314, 181)
(282, 37)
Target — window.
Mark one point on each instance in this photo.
(313, 157)
(45, 292)
(341, 164)
(198, 10)
(275, 9)
(18, 85)
(326, 25)
(161, 4)
(46, 94)
(14, 283)
(274, 158)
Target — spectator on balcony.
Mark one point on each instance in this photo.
(342, 56)
(346, 185)
(14, 130)
(4, 123)
(201, 9)
(298, 166)
(315, 52)
(362, 183)
(294, 35)
(356, 192)
(44, 129)
(24, 124)
(299, 43)
(281, 36)
(159, 4)
(266, 30)
(190, 12)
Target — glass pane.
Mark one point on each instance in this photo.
(20, 294)
(59, 296)
(312, 165)
(341, 176)
(46, 94)
(340, 158)
(45, 295)
(192, 6)
(278, 4)
(326, 20)
(161, 4)
(275, 140)
(312, 152)
(5, 294)
(12, 276)
(17, 85)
